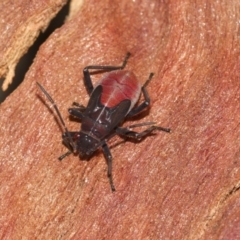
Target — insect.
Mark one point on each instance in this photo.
(112, 100)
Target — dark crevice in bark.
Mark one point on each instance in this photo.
(27, 59)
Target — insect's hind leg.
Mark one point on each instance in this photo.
(146, 102)
(87, 77)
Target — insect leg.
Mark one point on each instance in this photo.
(128, 133)
(76, 112)
(67, 138)
(146, 102)
(87, 77)
(80, 106)
(108, 156)
(65, 155)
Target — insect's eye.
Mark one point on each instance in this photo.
(76, 136)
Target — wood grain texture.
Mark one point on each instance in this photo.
(21, 22)
(183, 185)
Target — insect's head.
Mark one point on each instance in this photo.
(86, 144)
(80, 143)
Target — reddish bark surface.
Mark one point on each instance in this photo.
(182, 185)
(21, 23)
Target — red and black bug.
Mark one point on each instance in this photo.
(112, 100)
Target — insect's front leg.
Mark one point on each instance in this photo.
(108, 157)
(69, 139)
(79, 106)
(76, 112)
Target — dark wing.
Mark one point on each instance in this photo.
(94, 101)
(105, 119)
(117, 114)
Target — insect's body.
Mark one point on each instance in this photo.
(119, 85)
(111, 101)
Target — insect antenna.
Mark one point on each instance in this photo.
(61, 119)
(65, 155)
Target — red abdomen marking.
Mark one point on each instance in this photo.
(118, 86)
